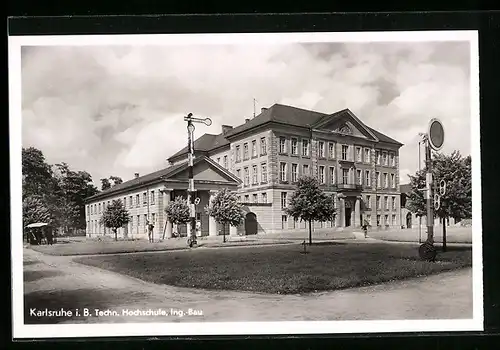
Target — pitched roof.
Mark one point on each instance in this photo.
(139, 181)
(205, 143)
(276, 113)
(406, 188)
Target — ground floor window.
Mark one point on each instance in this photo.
(378, 220)
(386, 219)
(394, 219)
(284, 221)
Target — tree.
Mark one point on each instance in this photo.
(37, 173)
(105, 184)
(35, 210)
(116, 180)
(309, 203)
(225, 209)
(178, 211)
(456, 171)
(115, 216)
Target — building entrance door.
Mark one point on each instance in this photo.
(348, 217)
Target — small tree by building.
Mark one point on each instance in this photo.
(309, 203)
(115, 216)
(225, 209)
(178, 211)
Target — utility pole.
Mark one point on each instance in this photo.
(428, 192)
(191, 190)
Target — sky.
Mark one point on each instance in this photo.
(118, 110)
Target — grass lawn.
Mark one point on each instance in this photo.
(453, 234)
(283, 269)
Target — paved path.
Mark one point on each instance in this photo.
(56, 282)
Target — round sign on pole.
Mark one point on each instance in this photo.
(436, 134)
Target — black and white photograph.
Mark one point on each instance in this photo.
(234, 184)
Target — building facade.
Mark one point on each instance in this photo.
(263, 158)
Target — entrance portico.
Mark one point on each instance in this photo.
(349, 209)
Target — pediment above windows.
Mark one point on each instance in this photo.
(346, 124)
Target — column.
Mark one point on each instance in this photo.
(212, 224)
(166, 201)
(357, 212)
(342, 212)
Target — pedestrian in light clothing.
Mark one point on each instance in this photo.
(150, 231)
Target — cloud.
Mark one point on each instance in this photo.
(118, 110)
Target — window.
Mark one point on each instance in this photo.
(358, 154)
(247, 198)
(294, 172)
(264, 197)
(218, 160)
(344, 152)
(245, 151)
(153, 218)
(254, 148)
(332, 175)
(284, 222)
(392, 159)
(138, 220)
(255, 198)
(283, 171)
(263, 146)
(393, 219)
(367, 155)
(238, 174)
(145, 220)
(378, 202)
(130, 201)
(247, 177)
(377, 157)
(152, 197)
(282, 145)
(393, 203)
(254, 174)
(321, 174)
(305, 147)
(263, 172)
(386, 219)
(136, 199)
(369, 219)
(225, 162)
(393, 181)
(283, 200)
(144, 198)
(368, 203)
(124, 202)
(378, 179)
(345, 176)
(99, 208)
(321, 149)
(378, 220)
(331, 150)
(384, 158)
(305, 169)
(359, 177)
(295, 144)
(238, 154)
(367, 178)
(386, 181)
(386, 203)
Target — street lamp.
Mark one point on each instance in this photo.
(191, 191)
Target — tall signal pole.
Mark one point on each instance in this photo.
(191, 190)
(428, 192)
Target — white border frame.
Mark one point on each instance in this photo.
(20, 330)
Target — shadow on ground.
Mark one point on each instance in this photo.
(31, 276)
(71, 300)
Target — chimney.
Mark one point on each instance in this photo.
(226, 128)
(247, 120)
(136, 175)
(263, 109)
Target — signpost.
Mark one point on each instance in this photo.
(191, 191)
(433, 140)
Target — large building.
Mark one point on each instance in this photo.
(262, 160)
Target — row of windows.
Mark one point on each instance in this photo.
(328, 150)
(134, 221)
(253, 145)
(386, 219)
(225, 162)
(296, 224)
(255, 198)
(379, 203)
(98, 208)
(254, 175)
(389, 180)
